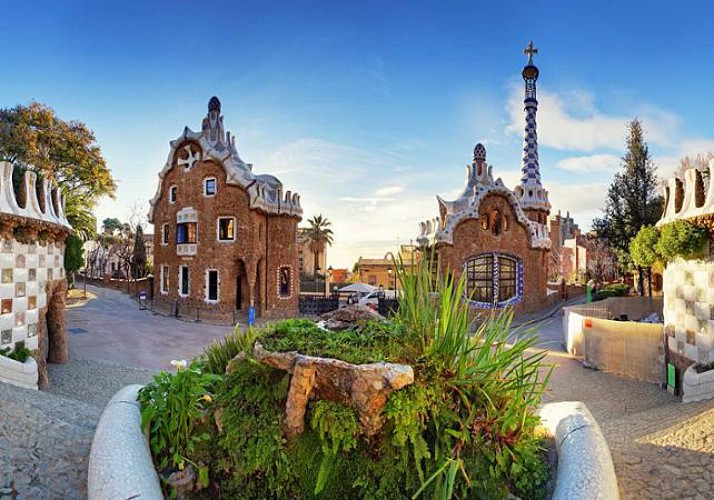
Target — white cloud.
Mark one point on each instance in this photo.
(337, 181)
(389, 190)
(604, 163)
(583, 201)
(571, 121)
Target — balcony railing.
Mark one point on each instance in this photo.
(185, 249)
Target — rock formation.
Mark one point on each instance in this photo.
(342, 319)
(362, 387)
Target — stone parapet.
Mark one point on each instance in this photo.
(45, 206)
(688, 200)
(697, 386)
(120, 464)
(585, 468)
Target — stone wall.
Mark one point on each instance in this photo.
(132, 287)
(689, 309)
(689, 284)
(33, 229)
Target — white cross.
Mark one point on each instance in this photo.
(190, 160)
(529, 51)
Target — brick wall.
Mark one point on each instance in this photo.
(247, 266)
(471, 240)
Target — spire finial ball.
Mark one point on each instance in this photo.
(214, 104)
(479, 152)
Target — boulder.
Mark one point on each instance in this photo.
(344, 318)
(362, 387)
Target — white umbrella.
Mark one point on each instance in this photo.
(358, 288)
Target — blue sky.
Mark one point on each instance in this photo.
(370, 109)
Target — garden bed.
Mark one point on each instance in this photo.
(416, 406)
(22, 374)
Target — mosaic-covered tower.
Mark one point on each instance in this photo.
(495, 236)
(531, 195)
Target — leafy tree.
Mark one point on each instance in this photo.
(112, 226)
(632, 199)
(138, 259)
(683, 239)
(319, 235)
(73, 256)
(34, 138)
(643, 247)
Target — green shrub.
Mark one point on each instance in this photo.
(643, 247)
(682, 239)
(612, 290)
(219, 353)
(172, 407)
(19, 353)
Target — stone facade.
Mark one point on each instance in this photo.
(225, 239)
(498, 237)
(33, 230)
(689, 284)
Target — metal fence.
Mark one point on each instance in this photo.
(387, 307)
(316, 305)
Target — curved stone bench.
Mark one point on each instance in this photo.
(585, 469)
(120, 464)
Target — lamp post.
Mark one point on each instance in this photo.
(387, 256)
(328, 280)
(317, 276)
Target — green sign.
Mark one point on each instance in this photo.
(671, 378)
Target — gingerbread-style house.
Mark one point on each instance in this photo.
(224, 237)
(499, 237)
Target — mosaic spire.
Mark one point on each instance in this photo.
(531, 192)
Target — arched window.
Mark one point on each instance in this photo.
(484, 222)
(493, 280)
(495, 222)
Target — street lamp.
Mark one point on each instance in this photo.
(317, 276)
(328, 280)
(387, 256)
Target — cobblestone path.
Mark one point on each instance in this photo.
(661, 448)
(45, 437)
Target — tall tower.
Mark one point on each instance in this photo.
(531, 195)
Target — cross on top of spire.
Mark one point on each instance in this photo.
(529, 51)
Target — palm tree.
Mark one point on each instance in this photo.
(319, 235)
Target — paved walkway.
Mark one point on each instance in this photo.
(661, 447)
(111, 328)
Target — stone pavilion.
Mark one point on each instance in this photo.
(224, 237)
(499, 237)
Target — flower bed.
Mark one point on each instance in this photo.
(466, 426)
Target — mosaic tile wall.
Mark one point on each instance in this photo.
(25, 269)
(689, 308)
